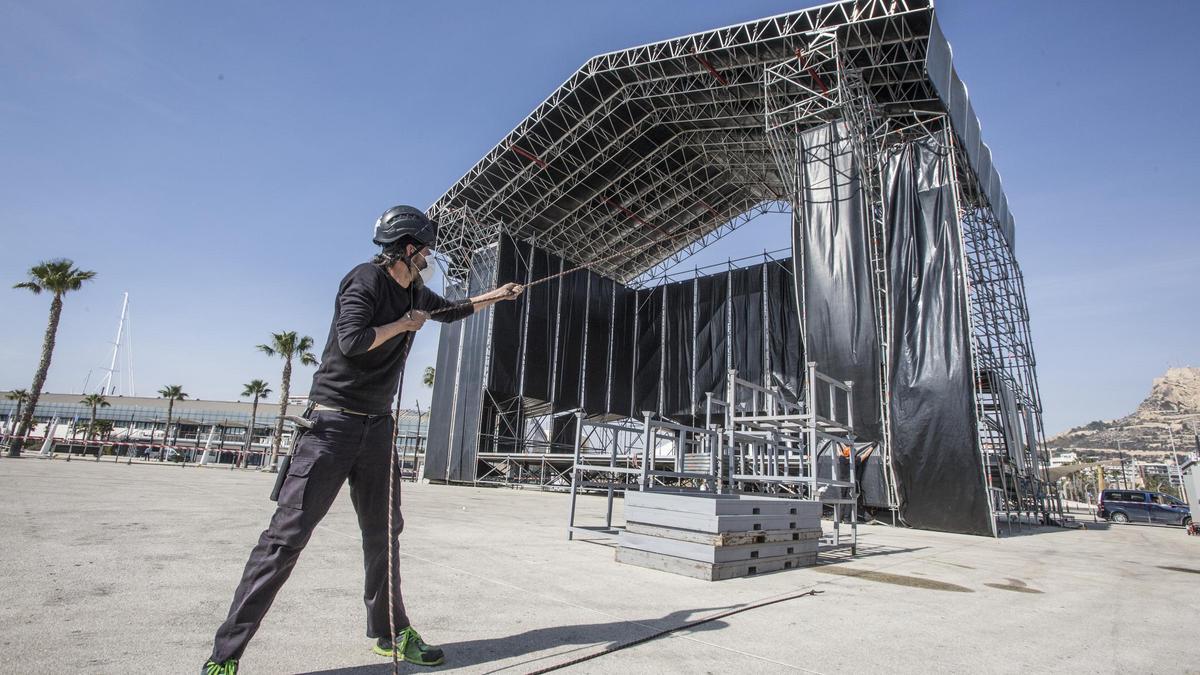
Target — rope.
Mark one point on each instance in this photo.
(392, 539)
(668, 631)
(552, 277)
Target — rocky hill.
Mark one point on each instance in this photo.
(1174, 402)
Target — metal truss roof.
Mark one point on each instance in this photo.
(659, 150)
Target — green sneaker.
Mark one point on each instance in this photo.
(213, 668)
(412, 649)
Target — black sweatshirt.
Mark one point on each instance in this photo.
(364, 381)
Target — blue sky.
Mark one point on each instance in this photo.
(223, 162)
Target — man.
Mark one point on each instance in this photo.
(379, 306)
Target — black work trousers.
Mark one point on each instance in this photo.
(339, 446)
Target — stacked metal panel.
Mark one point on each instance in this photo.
(713, 537)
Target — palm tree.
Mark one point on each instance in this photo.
(104, 429)
(427, 378)
(95, 401)
(287, 345)
(171, 392)
(59, 277)
(20, 396)
(257, 389)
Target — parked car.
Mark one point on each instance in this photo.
(1143, 506)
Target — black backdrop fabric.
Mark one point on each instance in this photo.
(935, 453)
(471, 373)
(712, 335)
(746, 309)
(786, 348)
(648, 367)
(437, 445)
(678, 340)
(568, 355)
(451, 448)
(586, 341)
(624, 350)
(512, 265)
(598, 357)
(590, 342)
(541, 307)
(838, 296)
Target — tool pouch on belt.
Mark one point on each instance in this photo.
(286, 461)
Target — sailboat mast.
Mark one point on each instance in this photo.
(112, 366)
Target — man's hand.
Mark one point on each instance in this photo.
(509, 291)
(412, 321)
(409, 323)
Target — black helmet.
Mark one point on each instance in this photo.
(399, 222)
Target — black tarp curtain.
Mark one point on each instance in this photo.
(461, 371)
(934, 446)
(839, 300)
(830, 238)
(587, 341)
(935, 452)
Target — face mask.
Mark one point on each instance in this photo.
(424, 269)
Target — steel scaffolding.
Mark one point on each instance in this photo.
(758, 440)
(657, 151)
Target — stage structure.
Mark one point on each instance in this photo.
(901, 287)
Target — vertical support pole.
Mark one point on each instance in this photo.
(612, 463)
(575, 473)
(729, 338)
(714, 444)
(680, 449)
(587, 318)
(833, 416)
(648, 454)
(558, 283)
(662, 356)
(810, 387)
(775, 443)
(731, 407)
(854, 496)
(612, 321)
(766, 325)
(516, 422)
(718, 451)
(853, 489)
(637, 354)
(458, 359)
(837, 508)
(695, 340)
(730, 459)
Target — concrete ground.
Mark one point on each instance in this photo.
(112, 568)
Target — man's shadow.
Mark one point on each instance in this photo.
(586, 639)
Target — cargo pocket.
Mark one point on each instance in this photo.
(291, 494)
